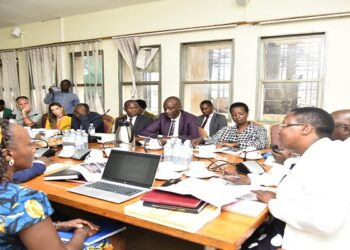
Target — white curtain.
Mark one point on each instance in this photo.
(90, 63)
(9, 83)
(135, 57)
(44, 71)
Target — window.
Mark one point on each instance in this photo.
(206, 74)
(291, 74)
(148, 83)
(85, 71)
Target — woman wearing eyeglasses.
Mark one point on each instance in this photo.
(25, 221)
(243, 134)
(57, 118)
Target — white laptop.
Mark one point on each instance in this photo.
(126, 175)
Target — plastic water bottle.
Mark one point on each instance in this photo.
(72, 135)
(91, 129)
(177, 152)
(168, 151)
(85, 140)
(79, 144)
(65, 138)
(187, 152)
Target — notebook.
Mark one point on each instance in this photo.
(157, 196)
(126, 175)
(107, 228)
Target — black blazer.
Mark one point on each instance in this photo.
(141, 122)
(217, 122)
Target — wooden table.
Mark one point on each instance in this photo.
(228, 231)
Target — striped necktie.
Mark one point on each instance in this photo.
(172, 127)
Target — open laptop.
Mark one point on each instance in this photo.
(126, 175)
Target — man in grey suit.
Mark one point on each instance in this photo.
(210, 121)
(138, 121)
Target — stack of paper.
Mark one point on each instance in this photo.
(188, 222)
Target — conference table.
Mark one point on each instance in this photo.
(227, 231)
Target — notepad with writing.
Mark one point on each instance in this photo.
(107, 228)
(168, 198)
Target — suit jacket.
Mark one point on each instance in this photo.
(217, 122)
(85, 120)
(188, 128)
(141, 122)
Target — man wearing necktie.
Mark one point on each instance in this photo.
(133, 116)
(173, 122)
(210, 121)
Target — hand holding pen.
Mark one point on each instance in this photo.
(232, 176)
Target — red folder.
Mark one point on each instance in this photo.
(167, 198)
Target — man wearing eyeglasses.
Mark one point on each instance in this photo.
(342, 125)
(313, 199)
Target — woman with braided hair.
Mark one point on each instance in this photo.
(25, 221)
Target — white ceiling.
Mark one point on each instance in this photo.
(16, 12)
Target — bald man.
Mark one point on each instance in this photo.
(342, 125)
(173, 122)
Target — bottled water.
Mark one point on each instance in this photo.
(177, 152)
(187, 152)
(72, 135)
(85, 140)
(168, 151)
(65, 138)
(91, 129)
(79, 143)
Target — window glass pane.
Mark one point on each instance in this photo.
(292, 74)
(151, 73)
(280, 98)
(207, 61)
(293, 58)
(217, 93)
(149, 93)
(84, 69)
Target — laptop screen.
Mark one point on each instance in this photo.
(131, 168)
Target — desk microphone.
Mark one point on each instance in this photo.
(105, 113)
(248, 151)
(45, 151)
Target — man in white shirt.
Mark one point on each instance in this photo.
(314, 204)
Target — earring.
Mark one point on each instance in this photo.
(11, 162)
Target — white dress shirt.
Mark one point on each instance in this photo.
(314, 199)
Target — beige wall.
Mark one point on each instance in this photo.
(172, 14)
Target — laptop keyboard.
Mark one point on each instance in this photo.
(114, 188)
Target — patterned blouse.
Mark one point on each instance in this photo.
(20, 208)
(252, 136)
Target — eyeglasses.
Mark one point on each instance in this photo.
(284, 125)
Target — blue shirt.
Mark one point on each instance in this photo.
(67, 99)
(20, 208)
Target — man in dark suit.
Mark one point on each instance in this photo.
(82, 117)
(210, 121)
(143, 111)
(138, 121)
(173, 122)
